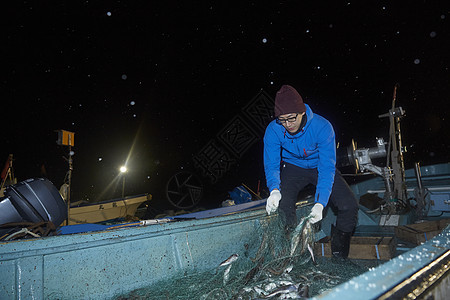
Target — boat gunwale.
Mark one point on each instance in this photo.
(380, 280)
(73, 242)
(421, 281)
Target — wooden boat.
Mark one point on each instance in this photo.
(106, 210)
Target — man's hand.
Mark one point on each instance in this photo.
(316, 213)
(273, 201)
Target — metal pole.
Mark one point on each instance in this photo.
(123, 185)
(70, 183)
(418, 175)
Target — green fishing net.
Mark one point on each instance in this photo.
(277, 264)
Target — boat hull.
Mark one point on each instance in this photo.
(103, 264)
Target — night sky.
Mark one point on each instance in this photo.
(151, 82)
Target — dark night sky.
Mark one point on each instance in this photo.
(156, 80)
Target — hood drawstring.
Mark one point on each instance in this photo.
(284, 135)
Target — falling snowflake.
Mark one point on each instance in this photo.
(108, 14)
(433, 34)
(264, 40)
(417, 61)
(132, 103)
(124, 76)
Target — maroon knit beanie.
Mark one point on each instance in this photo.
(287, 101)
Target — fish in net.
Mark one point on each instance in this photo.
(277, 263)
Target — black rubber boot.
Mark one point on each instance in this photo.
(340, 243)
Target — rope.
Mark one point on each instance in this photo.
(23, 230)
(28, 228)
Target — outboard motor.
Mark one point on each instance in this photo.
(34, 201)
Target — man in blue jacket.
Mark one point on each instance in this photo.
(299, 149)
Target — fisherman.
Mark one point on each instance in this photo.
(300, 149)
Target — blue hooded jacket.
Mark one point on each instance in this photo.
(312, 147)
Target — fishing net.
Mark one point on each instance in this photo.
(277, 264)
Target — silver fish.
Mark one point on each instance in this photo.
(306, 235)
(226, 274)
(295, 239)
(286, 289)
(229, 260)
(312, 254)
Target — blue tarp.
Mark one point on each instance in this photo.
(79, 228)
(240, 195)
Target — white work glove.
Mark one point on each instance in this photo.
(273, 201)
(316, 213)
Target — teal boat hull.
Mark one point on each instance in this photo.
(106, 263)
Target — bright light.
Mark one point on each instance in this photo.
(123, 169)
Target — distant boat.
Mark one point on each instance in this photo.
(122, 208)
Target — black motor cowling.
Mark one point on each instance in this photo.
(33, 200)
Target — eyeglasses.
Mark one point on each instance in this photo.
(290, 120)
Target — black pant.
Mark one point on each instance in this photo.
(294, 179)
